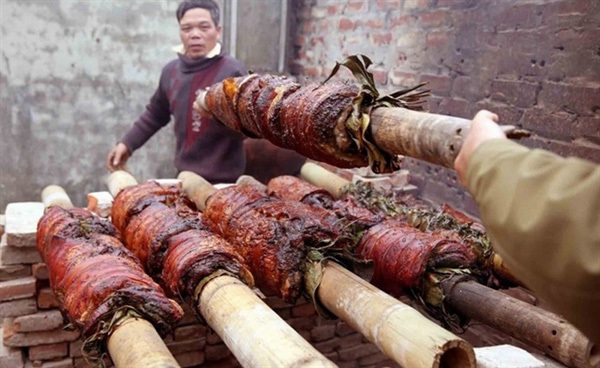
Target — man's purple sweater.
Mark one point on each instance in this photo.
(204, 146)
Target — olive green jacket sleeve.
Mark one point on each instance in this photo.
(542, 214)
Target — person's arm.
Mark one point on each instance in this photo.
(542, 213)
(156, 116)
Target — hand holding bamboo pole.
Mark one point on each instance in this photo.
(538, 328)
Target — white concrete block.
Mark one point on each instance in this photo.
(21, 223)
(505, 356)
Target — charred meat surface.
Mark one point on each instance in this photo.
(307, 119)
(272, 235)
(162, 228)
(93, 275)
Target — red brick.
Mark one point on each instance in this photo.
(17, 289)
(46, 299)
(277, 303)
(10, 357)
(551, 125)
(216, 352)
(337, 343)
(334, 9)
(45, 352)
(344, 329)
(357, 351)
(382, 39)
(433, 18)
(579, 99)
(439, 84)
(40, 271)
(2, 223)
(380, 77)
(437, 39)
(312, 71)
(403, 79)
(322, 333)
(376, 358)
(190, 359)
(19, 307)
(515, 16)
(468, 88)
(64, 363)
(212, 338)
(517, 93)
(303, 310)
(42, 321)
(12, 338)
(187, 332)
(410, 5)
(346, 24)
(178, 347)
(75, 348)
(11, 272)
(189, 316)
(356, 6)
(375, 23)
(387, 4)
(301, 323)
(455, 107)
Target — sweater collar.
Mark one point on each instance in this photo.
(190, 65)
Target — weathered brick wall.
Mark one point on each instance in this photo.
(31, 326)
(536, 63)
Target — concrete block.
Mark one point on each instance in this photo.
(10, 357)
(2, 223)
(19, 307)
(42, 321)
(100, 203)
(11, 272)
(17, 289)
(21, 223)
(45, 352)
(17, 255)
(381, 183)
(505, 356)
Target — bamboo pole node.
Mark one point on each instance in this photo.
(323, 178)
(196, 187)
(54, 195)
(119, 180)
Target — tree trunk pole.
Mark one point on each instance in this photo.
(134, 342)
(534, 326)
(429, 137)
(398, 330)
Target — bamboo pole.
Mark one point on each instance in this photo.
(323, 178)
(398, 330)
(255, 334)
(421, 344)
(253, 331)
(249, 180)
(429, 137)
(134, 342)
(540, 329)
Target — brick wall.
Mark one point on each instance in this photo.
(536, 63)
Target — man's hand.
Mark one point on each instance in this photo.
(117, 157)
(483, 128)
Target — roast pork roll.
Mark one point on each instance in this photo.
(93, 275)
(308, 119)
(402, 254)
(162, 228)
(272, 235)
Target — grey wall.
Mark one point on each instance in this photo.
(74, 75)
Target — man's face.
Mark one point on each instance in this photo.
(198, 32)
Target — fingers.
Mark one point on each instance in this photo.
(117, 158)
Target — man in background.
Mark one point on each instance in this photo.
(203, 145)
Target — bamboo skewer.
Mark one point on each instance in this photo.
(538, 328)
(253, 332)
(396, 329)
(134, 342)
